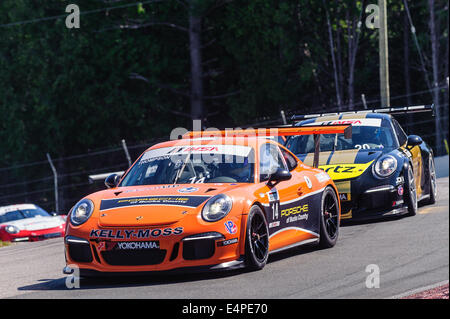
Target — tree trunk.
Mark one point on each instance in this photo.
(446, 95)
(406, 75)
(333, 58)
(435, 64)
(195, 47)
(350, 40)
(340, 67)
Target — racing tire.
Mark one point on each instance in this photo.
(257, 239)
(410, 192)
(431, 182)
(329, 218)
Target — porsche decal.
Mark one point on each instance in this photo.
(294, 210)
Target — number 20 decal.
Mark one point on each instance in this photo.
(364, 146)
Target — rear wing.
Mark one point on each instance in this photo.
(315, 130)
(388, 110)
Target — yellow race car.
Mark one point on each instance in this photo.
(379, 171)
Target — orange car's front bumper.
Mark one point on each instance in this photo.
(196, 248)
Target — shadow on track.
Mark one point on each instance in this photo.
(155, 279)
(126, 281)
(380, 220)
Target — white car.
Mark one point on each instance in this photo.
(28, 222)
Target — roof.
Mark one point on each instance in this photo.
(248, 141)
(12, 208)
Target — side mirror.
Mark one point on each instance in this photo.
(414, 140)
(280, 175)
(112, 181)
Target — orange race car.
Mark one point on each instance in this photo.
(205, 204)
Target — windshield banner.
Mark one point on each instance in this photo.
(184, 201)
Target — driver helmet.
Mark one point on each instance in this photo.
(242, 170)
(268, 162)
(369, 135)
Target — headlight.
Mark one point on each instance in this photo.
(12, 229)
(385, 166)
(81, 212)
(217, 208)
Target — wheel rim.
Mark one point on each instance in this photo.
(259, 238)
(433, 178)
(412, 188)
(330, 216)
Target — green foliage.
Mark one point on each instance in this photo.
(66, 91)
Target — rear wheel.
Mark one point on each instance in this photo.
(329, 219)
(411, 193)
(257, 239)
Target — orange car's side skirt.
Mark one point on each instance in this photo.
(290, 237)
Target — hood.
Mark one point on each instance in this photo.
(344, 164)
(37, 223)
(154, 204)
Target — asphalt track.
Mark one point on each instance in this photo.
(411, 253)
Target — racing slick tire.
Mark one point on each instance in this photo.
(329, 219)
(410, 192)
(256, 240)
(431, 182)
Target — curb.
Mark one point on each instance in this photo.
(418, 290)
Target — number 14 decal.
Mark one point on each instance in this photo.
(194, 180)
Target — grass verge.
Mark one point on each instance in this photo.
(4, 243)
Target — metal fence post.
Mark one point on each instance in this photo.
(283, 117)
(124, 145)
(55, 180)
(363, 98)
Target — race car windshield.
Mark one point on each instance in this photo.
(22, 214)
(190, 165)
(363, 137)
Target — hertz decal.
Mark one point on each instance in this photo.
(294, 210)
(345, 171)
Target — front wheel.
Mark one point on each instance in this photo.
(431, 181)
(411, 193)
(257, 239)
(329, 219)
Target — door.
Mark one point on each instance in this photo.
(286, 210)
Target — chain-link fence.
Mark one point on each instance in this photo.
(35, 182)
